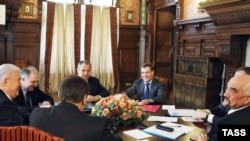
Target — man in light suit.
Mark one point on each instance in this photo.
(67, 119)
(238, 96)
(9, 86)
(156, 92)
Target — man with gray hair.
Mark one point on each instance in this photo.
(30, 96)
(9, 86)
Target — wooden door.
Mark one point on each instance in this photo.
(163, 44)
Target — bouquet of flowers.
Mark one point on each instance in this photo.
(120, 109)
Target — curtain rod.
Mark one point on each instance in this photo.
(83, 3)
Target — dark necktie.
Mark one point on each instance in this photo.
(146, 93)
(27, 99)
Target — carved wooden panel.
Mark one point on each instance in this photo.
(26, 42)
(197, 81)
(197, 38)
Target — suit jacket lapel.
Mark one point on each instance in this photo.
(21, 96)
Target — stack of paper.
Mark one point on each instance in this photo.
(179, 130)
(166, 107)
(181, 112)
(162, 118)
(138, 134)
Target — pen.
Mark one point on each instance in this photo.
(174, 126)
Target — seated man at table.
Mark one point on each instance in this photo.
(147, 89)
(238, 96)
(213, 115)
(67, 120)
(9, 86)
(30, 96)
(97, 91)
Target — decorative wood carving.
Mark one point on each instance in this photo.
(197, 81)
(232, 20)
(229, 13)
(197, 38)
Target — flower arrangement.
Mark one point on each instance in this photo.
(120, 109)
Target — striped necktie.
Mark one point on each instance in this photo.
(27, 99)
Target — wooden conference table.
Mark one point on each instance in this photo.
(200, 127)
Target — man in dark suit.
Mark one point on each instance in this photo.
(30, 96)
(147, 89)
(97, 91)
(213, 115)
(67, 120)
(238, 96)
(9, 85)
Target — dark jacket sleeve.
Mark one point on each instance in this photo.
(96, 87)
(9, 115)
(159, 92)
(220, 110)
(133, 89)
(37, 96)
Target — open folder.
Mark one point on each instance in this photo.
(150, 108)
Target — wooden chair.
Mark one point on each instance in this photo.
(165, 82)
(25, 133)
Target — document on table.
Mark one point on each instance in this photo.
(179, 130)
(181, 112)
(138, 134)
(190, 119)
(166, 107)
(162, 118)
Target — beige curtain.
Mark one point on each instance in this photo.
(62, 55)
(69, 54)
(66, 38)
(106, 64)
(82, 39)
(57, 52)
(43, 47)
(101, 49)
(96, 42)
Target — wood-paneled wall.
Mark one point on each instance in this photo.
(26, 42)
(128, 55)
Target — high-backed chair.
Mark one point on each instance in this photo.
(164, 80)
(25, 133)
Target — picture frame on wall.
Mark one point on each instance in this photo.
(130, 16)
(27, 9)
